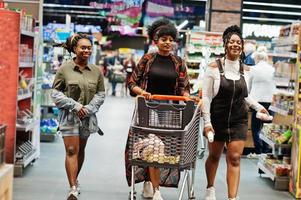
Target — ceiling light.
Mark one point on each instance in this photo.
(273, 12)
(270, 19)
(66, 6)
(182, 25)
(271, 4)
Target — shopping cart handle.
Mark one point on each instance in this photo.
(169, 97)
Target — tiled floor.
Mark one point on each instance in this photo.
(103, 178)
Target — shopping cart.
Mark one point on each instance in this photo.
(165, 133)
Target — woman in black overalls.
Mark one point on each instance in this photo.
(226, 104)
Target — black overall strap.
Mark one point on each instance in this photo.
(220, 66)
(241, 67)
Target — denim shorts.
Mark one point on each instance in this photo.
(75, 131)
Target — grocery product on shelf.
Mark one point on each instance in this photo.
(279, 134)
(202, 48)
(49, 126)
(284, 137)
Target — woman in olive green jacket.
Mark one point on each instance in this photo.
(78, 91)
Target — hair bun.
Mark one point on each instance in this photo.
(232, 29)
(153, 28)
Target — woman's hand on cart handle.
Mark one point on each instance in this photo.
(193, 98)
(174, 98)
(147, 95)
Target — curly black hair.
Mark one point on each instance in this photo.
(72, 41)
(160, 28)
(231, 30)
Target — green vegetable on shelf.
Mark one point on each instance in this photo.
(290, 141)
(284, 137)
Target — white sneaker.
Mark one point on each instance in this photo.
(235, 198)
(73, 193)
(210, 194)
(157, 195)
(253, 156)
(148, 191)
(78, 186)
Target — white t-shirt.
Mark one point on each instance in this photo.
(262, 86)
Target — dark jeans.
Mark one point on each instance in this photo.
(114, 88)
(256, 126)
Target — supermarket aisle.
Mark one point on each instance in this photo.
(103, 173)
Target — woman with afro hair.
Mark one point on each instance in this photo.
(162, 73)
(226, 101)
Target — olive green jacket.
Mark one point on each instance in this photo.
(73, 89)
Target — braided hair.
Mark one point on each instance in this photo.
(72, 41)
(160, 28)
(231, 30)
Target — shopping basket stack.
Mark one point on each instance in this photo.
(164, 134)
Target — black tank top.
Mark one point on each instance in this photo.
(162, 76)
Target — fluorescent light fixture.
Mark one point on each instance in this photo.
(71, 11)
(270, 19)
(18, 1)
(271, 4)
(66, 6)
(74, 15)
(273, 12)
(182, 25)
(90, 16)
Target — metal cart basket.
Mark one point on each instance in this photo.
(165, 133)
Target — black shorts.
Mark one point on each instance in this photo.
(237, 131)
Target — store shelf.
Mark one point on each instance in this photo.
(27, 33)
(24, 96)
(278, 110)
(191, 71)
(267, 171)
(282, 81)
(280, 182)
(27, 159)
(287, 41)
(26, 64)
(194, 60)
(26, 127)
(50, 105)
(285, 93)
(284, 55)
(272, 143)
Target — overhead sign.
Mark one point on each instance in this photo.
(156, 10)
(261, 30)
